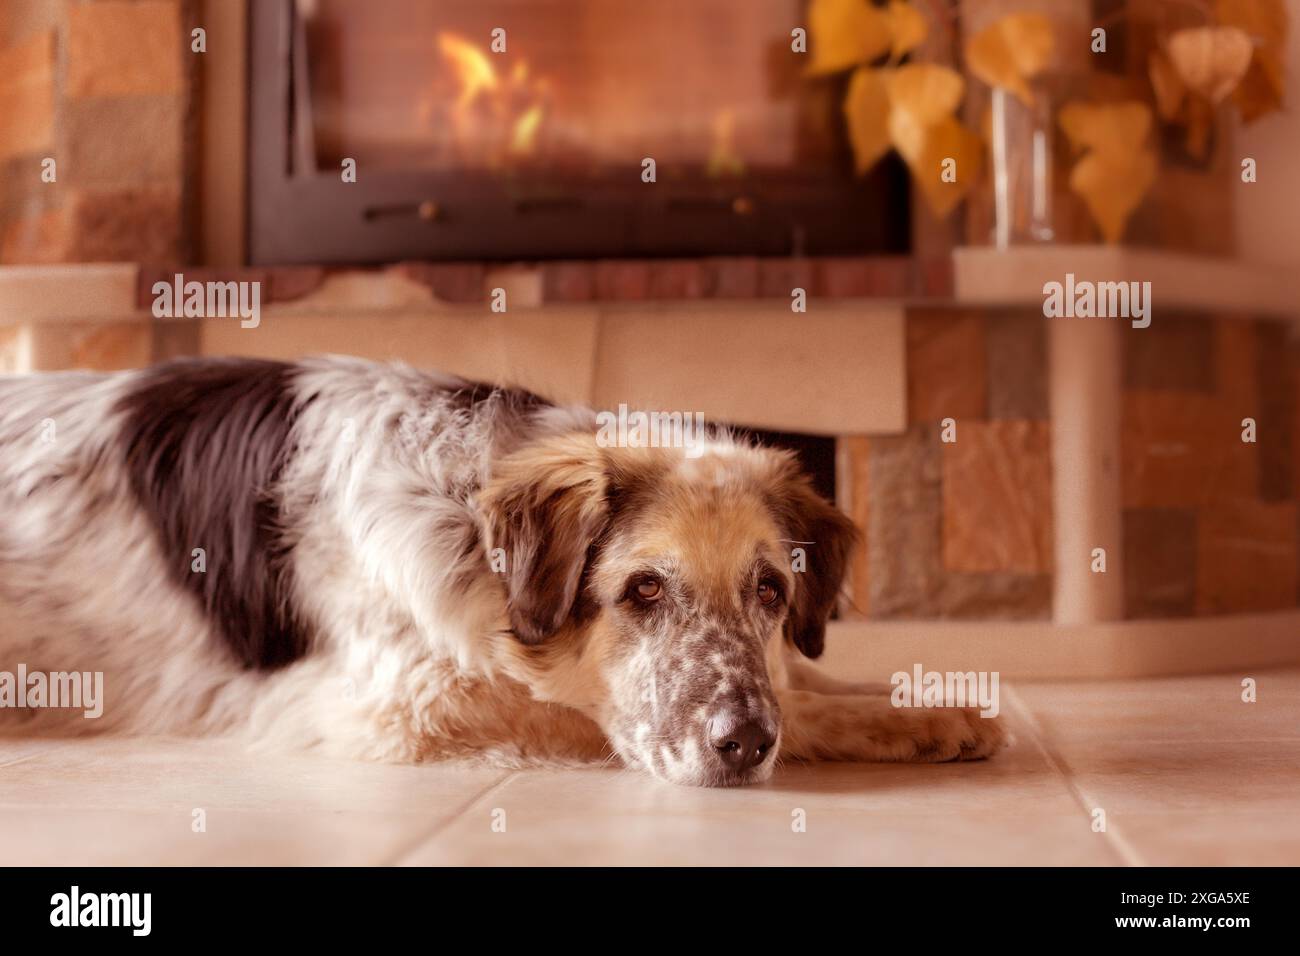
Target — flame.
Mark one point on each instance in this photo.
(495, 116)
(723, 158)
(523, 140)
(473, 68)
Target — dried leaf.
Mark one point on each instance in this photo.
(1113, 186)
(933, 150)
(926, 92)
(1169, 88)
(1273, 68)
(1263, 20)
(1012, 50)
(1211, 60)
(845, 34)
(908, 28)
(922, 99)
(1110, 128)
(1261, 89)
(1117, 169)
(866, 110)
(908, 134)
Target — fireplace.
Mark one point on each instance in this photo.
(520, 129)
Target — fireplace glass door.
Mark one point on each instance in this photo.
(543, 128)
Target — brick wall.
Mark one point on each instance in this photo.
(100, 87)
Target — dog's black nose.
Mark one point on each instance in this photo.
(741, 744)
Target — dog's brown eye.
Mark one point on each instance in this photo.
(767, 593)
(649, 590)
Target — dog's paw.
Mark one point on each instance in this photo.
(955, 733)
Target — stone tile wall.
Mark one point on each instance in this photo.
(100, 87)
(959, 528)
(963, 529)
(1210, 520)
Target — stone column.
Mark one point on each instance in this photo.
(1085, 362)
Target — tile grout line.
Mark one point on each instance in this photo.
(31, 756)
(455, 815)
(1118, 843)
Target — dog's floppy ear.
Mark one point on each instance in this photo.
(544, 507)
(807, 517)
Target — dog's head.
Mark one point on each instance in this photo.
(653, 590)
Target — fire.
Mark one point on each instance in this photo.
(523, 141)
(472, 67)
(496, 117)
(723, 158)
(490, 111)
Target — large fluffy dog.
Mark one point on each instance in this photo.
(372, 561)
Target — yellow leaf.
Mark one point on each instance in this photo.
(933, 152)
(1168, 86)
(866, 110)
(845, 34)
(922, 99)
(1117, 169)
(1266, 22)
(1263, 20)
(1211, 60)
(927, 92)
(1012, 50)
(1271, 65)
(1261, 89)
(908, 135)
(1113, 186)
(1111, 128)
(907, 28)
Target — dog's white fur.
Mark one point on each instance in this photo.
(413, 654)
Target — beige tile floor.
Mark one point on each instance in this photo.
(1185, 771)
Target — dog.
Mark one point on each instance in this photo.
(370, 561)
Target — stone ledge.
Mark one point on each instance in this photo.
(620, 280)
(67, 292)
(984, 276)
(842, 367)
(973, 276)
(1041, 650)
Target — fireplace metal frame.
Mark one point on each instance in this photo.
(302, 215)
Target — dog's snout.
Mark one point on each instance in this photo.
(741, 744)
